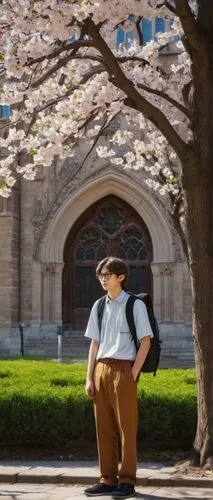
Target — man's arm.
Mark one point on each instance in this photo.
(143, 350)
(89, 388)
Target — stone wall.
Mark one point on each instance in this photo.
(9, 273)
(49, 207)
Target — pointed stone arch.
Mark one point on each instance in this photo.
(52, 247)
(47, 284)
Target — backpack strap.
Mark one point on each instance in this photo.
(150, 311)
(130, 318)
(100, 310)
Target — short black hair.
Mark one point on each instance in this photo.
(114, 265)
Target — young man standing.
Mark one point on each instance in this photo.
(113, 368)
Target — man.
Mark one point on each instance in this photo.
(113, 368)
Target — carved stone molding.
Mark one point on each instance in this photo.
(41, 205)
(48, 268)
(37, 224)
(177, 245)
(166, 269)
(70, 180)
(4, 205)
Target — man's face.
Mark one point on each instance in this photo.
(110, 280)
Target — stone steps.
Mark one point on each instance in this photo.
(76, 346)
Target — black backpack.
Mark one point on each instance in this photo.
(153, 357)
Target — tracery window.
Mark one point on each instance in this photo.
(109, 227)
(112, 230)
(90, 245)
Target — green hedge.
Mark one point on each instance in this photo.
(43, 403)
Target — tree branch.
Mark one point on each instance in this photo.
(139, 31)
(52, 102)
(177, 203)
(134, 99)
(64, 47)
(60, 64)
(167, 97)
(102, 129)
(91, 117)
(120, 59)
(190, 27)
(168, 5)
(47, 74)
(171, 7)
(63, 61)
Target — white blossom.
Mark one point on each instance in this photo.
(103, 152)
(52, 113)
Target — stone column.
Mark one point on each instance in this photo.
(163, 290)
(156, 290)
(167, 292)
(48, 292)
(58, 292)
(36, 299)
(51, 311)
(187, 294)
(36, 292)
(179, 292)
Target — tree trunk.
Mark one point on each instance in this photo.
(202, 290)
(198, 208)
(198, 200)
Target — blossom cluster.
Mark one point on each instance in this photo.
(57, 84)
(150, 153)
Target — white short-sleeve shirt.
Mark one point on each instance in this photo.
(115, 338)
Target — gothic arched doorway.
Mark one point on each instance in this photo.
(108, 227)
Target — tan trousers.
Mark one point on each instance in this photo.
(116, 416)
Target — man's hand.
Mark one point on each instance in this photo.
(134, 374)
(90, 386)
(145, 343)
(90, 389)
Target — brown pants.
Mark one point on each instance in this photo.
(116, 416)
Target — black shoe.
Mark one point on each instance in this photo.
(100, 489)
(124, 491)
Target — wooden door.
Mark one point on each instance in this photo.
(109, 227)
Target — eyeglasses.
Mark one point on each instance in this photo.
(106, 276)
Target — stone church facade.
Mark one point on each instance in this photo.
(56, 228)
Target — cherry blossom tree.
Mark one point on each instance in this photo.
(66, 81)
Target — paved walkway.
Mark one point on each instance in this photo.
(55, 492)
(45, 480)
(87, 472)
